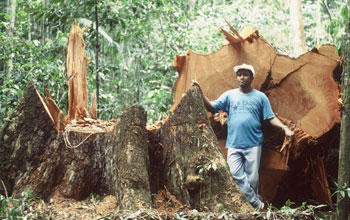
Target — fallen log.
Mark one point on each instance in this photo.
(303, 93)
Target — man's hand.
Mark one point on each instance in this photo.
(206, 101)
(289, 133)
(278, 124)
(195, 83)
(288, 139)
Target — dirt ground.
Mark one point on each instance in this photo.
(95, 207)
(61, 208)
(165, 207)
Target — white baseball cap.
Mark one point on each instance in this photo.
(246, 67)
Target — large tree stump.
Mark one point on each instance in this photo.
(75, 164)
(36, 156)
(118, 159)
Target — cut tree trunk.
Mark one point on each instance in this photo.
(75, 155)
(36, 156)
(303, 93)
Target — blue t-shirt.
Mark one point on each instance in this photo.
(245, 114)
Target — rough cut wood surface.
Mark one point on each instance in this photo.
(302, 91)
(76, 67)
(76, 76)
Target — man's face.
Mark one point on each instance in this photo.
(244, 77)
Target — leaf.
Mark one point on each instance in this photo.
(268, 214)
(344, 12)
(88, 23)
(101, 75)
(36, 42)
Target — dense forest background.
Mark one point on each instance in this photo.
(131, 56)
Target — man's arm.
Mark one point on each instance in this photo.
(206, 101)
(278, 124)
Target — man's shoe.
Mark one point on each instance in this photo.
(260, 207)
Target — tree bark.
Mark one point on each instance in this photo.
(132, 160)
(23, 138)
(194, 168)
(344, 150)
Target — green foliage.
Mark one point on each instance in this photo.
(12, 209)
(94, 199)
(291, 211)
(337, 13)
(343, 191)
(138, 42)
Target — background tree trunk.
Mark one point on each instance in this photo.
(297, 27)
(11, 30)
(97, 55)
(344, 151)
(318, 23)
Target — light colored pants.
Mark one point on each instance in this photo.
(244, 165)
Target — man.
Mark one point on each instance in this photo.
(246, 108)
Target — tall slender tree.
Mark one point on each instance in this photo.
(11, 30)
(297, 25)
(96, 56)
(318, 22)
(344, 152)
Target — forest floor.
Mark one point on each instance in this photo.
(105, 208)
